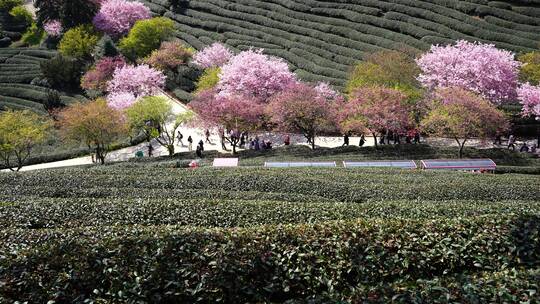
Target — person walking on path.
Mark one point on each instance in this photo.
(190, 143)
(345, 140)
(512, 142)
(287, 140)
(207, 134)
(362, 140)
(180, 136)
(199, 151)
(201, 144)
(150, 150)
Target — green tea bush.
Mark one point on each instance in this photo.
(267, 264)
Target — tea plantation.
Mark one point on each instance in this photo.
(323, 39)
(19, 67)
(145, 232)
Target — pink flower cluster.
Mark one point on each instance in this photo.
(481, 68)
(324, 90)
(139, 81)
(117, 17)
(214, 55)
(529, 97)
(255, 75)
(97, 77)
(121, 100)
(53, 28)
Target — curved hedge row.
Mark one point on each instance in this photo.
(18, 68)
(322, 38)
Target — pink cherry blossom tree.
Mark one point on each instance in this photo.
(254, 75)
(375, 110)
(529, 97)
(121, 100)
(480, 68)
(53, 28)
(212, 56)
(138, 81)
(234, 113)
(302, 108)
(101, 73)
(324, 89)
(117, 17)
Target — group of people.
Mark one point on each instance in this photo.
(258, 144)
(512, 144)
(412, 136)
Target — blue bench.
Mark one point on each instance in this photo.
(459, 164)
(299, 164)
(403, 164)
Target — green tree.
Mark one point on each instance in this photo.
(459, 114)
(388, 68)
(208, 80)
(21, 14)
(33, 35)
(79, 42)
(94, 124)
(7, 5)
(20, 132)
(153, 115)
(530, 71)
(62, 72)
(146, 36)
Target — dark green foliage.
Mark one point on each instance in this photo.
(62, 72)
(105, 48)
(70, 12)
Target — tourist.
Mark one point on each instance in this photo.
(257, 145)
(287, 140)
(201, 144)
(150, 150)
(180, 136)
(242, 140)
(263, 145)
(198, 151)
(345, 140)
(511, 142)
(190, 143)
(498, 139)
(362, 140)
(524, 147)
(207, 134)
(251, 144)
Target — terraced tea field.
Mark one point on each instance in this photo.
(322, 39)
(18, 67)
(157, 234)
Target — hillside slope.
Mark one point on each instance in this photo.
(322, 39)
(19, 67)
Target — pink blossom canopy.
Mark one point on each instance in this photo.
(254, 75)
(53, 28)
(326, 91)
(211, 56)
(141, 80)
(98, 77)
(481, 68)
(117, 17)
(529, 97)
(121, 100)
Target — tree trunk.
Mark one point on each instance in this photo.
(461, 146)
(313, 143)
(375, 139)
(170, 149)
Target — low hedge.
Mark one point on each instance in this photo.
(230, 209)
(344, 185)
(269, 264)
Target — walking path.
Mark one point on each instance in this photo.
(197, 134)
